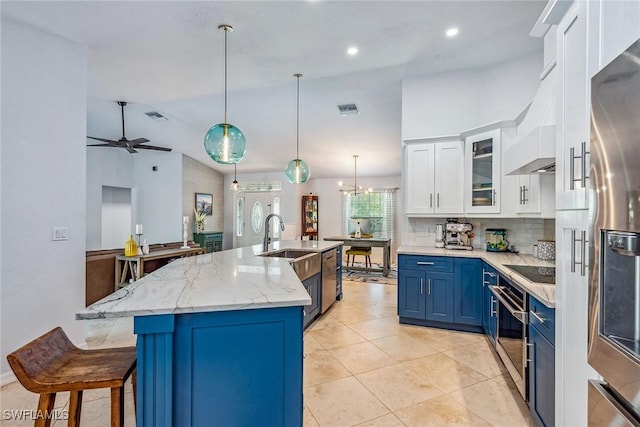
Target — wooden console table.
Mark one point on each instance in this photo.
(385, 244)
(135, 264)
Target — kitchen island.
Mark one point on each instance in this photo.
(219, 338)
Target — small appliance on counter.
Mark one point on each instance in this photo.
(458, 235)
(497, 240)
(439, 236)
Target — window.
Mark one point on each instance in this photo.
(379, 207)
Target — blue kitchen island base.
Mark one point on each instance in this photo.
(226, 368)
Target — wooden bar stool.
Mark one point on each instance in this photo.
(353, 251)
(51, 364)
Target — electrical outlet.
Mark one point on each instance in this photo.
(60, 233)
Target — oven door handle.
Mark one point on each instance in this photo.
(504, 298)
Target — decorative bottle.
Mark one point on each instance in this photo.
(145, 247)
(130, 247)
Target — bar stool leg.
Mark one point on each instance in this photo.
(117, 406)
(75, 408)
(45, 408)
(134, 385)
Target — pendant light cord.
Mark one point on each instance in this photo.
(226, 30)
(298, 116)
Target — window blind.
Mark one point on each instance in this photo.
(378, 206)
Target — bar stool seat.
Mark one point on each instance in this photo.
(51, 364)
(354, 250)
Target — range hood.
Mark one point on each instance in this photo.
(535, 146)
(535, 152)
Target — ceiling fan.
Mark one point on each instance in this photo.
(123, 142)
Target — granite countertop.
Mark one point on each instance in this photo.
(543, 292)
(236, 279)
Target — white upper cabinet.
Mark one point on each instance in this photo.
(482, 173)
(536, 195)
(618, 26)
(572, 154)
(434, 176)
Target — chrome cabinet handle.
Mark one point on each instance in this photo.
(583, 166)
(429, 286)
(425, 263)
(494, 197)
(430, 200)
(529, 353)
(540, 319)
(493, 308)
(421, 287)
(437, 200)
(521, 194)
(583, 252)
(488, 273)
(524, 194)
(584, 177)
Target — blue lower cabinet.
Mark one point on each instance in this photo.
(411, 300)
(467, 308)
(541, 362)
(439, 298)
(233, 368)
(541, 378)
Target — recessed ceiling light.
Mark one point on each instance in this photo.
(452, 32)
(352, 50)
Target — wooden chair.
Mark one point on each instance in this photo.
(51, 364)
(354, 250)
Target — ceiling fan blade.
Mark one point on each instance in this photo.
(130, 150)
(138, 141)
(153, 147)
(103, 139)
(101, 145)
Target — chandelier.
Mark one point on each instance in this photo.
(354, 189)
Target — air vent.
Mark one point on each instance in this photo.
(348, 109)
(154, 115)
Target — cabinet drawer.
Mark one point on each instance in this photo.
(542, 318)
(430, 263)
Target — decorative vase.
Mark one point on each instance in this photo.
(130, 247)
(145, 247)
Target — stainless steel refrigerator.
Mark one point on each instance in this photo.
(614, 273)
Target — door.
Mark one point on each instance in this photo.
(420, 178)
(439, 303)
(448, 178)
(541, 378)
(411, 298)
(467, 302)
(572, 155)
(256, 207)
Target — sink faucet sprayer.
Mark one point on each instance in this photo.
(267, 239)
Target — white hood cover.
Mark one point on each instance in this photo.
(535, 148)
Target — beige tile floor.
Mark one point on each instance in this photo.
(361, 368)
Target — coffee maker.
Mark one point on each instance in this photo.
(458, 235)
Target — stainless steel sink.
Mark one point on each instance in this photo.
(304, 263)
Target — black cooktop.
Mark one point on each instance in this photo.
(535, 274)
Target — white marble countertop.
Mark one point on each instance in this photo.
(236, 279)
(543, 292)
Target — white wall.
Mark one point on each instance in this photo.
(116, 215)
(449, 103)
(44, 81)
(105, 167)
(157, 197)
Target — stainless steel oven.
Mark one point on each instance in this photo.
(614, 271)
(511, 335)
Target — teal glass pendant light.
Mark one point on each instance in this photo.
(297, 170)
(225, 143)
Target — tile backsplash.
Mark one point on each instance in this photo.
(522, 233)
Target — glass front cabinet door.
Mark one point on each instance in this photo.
(482, 173)
(310, 216)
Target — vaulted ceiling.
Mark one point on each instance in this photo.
(167, 56)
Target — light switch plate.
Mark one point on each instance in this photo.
(60, 233)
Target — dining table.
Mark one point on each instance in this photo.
(372, 242)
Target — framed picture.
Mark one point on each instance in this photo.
(204, 203)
